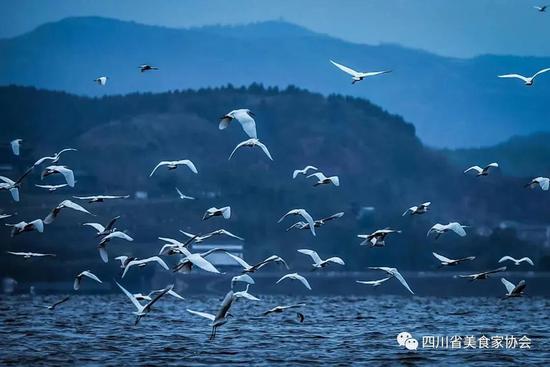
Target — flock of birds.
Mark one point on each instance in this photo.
(188, 260)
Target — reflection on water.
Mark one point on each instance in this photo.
(92, 330)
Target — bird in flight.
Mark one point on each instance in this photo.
(393, 272)
(517, 261)
(357, 76)
(445, 261)
(171, 165)
(251, 143)
(303, 171)
(482, 171)
(319, 263)
(28, 255)
(417, 209)
(513, 290)
(221, 317)
(483, 275)
(102, 80)
(376, 238)
(101, 198)
(542, 182)
(146, 67)
(295, 276)
(182, 196)
(224, 212)
(245, 118)
(304, 214)
(439, 229)
(526, 80)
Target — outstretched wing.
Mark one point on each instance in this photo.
(264, 148)
(312, 254)
(540, 72)
(345, 69)
(162, 163)
(509, 285)
(202, 314)
(441, 257)
(515, 76)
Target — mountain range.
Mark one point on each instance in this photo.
(451, 102)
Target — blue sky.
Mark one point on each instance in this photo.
(460, 28)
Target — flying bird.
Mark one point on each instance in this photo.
(102, 80)
(303, 171)
(51, 188)
(394, 273)
(357, 76)
(439, 229)
(185, 265)
(445, 261)
(374, 283)
(149, 297)
(215, 212)
(171, 165)
(85, 273)
(527, 80)
(483, 275)
(513, 290)
(143, 262)
(541, 8)
(28, 255)
(244, 278)
(324, 180)
(15, 145)
(124, 260)
(280, 309)
(317, 223)
(245, 118)
(54, 158)
(35, 225)
(53, 306)
(245, 294)
(318, 263)
(67, 173)
(64, 204)
(481, 171)
(219, 232)
(102, 246)
(517, 261)
(251, 143)
(146, 67)
(247, 268)
(141, 309)
(542, 182)
(101, 198)
(13, 186)
(221, 317)
(304, 214)
(295, 276)
(376, 238)
(103, 231)
(182, 196)
(417, 209)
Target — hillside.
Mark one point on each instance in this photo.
(379, 159)
(452, 102)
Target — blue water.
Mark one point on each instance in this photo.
(99, 330)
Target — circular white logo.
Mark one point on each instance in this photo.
(402, 338)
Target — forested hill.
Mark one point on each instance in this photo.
(379, 159)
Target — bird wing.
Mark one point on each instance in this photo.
(68, 174)
(66, 150)
(14, 191)
(151, 259)
(132, 298)
(42, 160)
(248, 124)
(69, 204)
(241, 262)
(225, 306)
(319, 175)
(246, 295)
(38, 224)
(544, 183)
(312, 254)
(478, 169)
(334, 216)
(209, 316)
(15, 146)
(7, 180)
(504, 258)
(112, 222)
(495, 270)
(224, 122)
(296, 173)
(202, 263)
(374, 73)
(17, 253)
(516, 76)
(264, 148)
(509, 285)
(308, 219)
(174, 294)
(293, 211)
(237, 147)
(189, 164)
(227, 233)
(90, 275)
(158, 296)
(410, 210)
(243, 278)
(118, 234)
(345, 69)
(303, 280)
(399, 277)
(226, 212)
(162, 163)
(540, 72)
(441, 257)
(60, 302)
(336, 260)
(85, 197)
(528, 260)
(457, 228)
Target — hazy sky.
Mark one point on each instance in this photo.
(448, 27)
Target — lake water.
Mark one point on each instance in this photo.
(99, 330)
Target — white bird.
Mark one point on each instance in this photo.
(144, 262)
(324, 180)
(376, 238)
(303, 171)
(304, 214)
(317, 223)
(295, 276)
(439, 229)
(149, 297)
(124, 260)
(541, 8)
(101, 198)
(146, 67)
(85, 273)
(542, 182)
(103, 231)
(445, 261)
(13, 186)
(143, 310)
(513, 290)
(28, 255)
(172, 247)
(67, 173)
(251, 143)
(245, 294)
(245, 118)
(182, 196)
(54, 158)
(483, 275)
(15, 146)
(51, 188)
(101, 247)
(394, 273)
(52, 307)
(482, 171)
(417, 209)
(374, 283)
(215, 212)
(102, 80)
(517, 261)
(245, 278)
(171, 165)
(527, 80)
(280, 309)
(219, 232)
(4, 216)
(247, 268)
(357, 76)
(185, 265)
(64, 204)
(222, 315)
(35, 225)
(318, 263)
